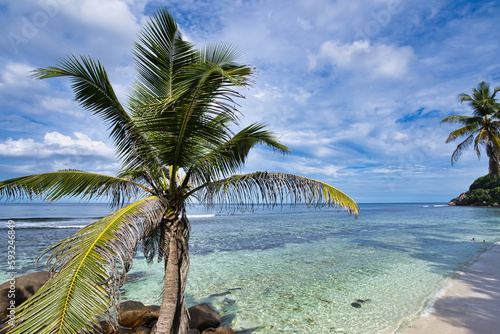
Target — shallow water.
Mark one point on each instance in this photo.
(295, 271)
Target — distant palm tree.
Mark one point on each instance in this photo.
(481, 129)
(176, 144)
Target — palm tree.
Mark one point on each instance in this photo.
(176, 143)
(481, 129)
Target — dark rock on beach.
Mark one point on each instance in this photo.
(133, 314)
(356, 305)
(203, 317)
(22, 288)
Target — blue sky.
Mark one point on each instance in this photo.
(355, 88)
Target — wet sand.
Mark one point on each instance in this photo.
(471, 305)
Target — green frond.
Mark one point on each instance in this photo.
(462, 119)
(463, 131)
(252, 190)
(482, 101)
(182, 132)
(89, 266)
(54, 186)
(461, 148)
(160, 55)
(94, 93)
(229, 157)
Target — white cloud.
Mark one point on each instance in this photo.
(55, 144)
(378, 60)
(15, 75)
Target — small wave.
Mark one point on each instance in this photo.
(430, 305)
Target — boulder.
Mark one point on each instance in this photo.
(124, 331)
(20, 289)
(219, 330)
(193, 331)
(130, 312)
(224, 330)
(203, 317)
(142, 330)
(135, 314)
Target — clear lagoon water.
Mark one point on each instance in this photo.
(293, 271)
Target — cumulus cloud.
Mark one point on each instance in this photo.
(55, 144)
(377, 60)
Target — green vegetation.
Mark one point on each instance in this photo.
(176, 144)
(482, 128)
(484, 191)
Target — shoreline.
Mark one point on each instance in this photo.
(470, 304)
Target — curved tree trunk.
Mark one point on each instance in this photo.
(174, 318)
(494, 161)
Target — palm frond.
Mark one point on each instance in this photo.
(90, 265)
(159, 56)
(184, 132)
(70, 184)
(252, 190)
(229, 157)
(94, 92)
(462, 119)
(461, 148)
(463, 131)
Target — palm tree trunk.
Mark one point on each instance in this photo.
(494, 162)
(174, 318)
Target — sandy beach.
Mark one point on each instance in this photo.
(471, 304)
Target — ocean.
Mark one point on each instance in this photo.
(292, 270)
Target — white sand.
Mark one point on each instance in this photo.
(470, 305)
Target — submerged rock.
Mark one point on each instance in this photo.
(356, 305)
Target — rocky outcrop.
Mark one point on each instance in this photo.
(484, 191)
(460, 200)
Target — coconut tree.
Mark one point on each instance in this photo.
(481, 129)
(177, 144)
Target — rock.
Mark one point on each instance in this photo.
(130, 312)
(193, 331)
(142, 330)
(124, 331)
(219, 330)
(104, 327)
(224, 330)
(356, 305)
(496, 205)
(23, 287)
(203, 317)
(135, 314)
(209, 331)
(452, 204)
(462, 199)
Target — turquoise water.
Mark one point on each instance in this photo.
(296, 271)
